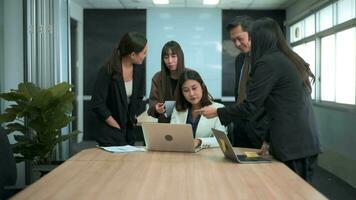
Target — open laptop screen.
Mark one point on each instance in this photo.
(229, 152)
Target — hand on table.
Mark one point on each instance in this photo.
(264, 149)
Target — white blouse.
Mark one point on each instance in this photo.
(128, 87)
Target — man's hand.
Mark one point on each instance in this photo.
(208, 112)
(264, 149)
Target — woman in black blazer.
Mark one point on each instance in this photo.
(280, 83)
(118, 91)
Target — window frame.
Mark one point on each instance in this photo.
(351, 23)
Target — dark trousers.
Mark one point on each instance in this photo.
(304, 167)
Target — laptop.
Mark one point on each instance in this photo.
(169, 137)
(229, 152)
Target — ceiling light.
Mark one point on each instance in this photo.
(210, 2)
(161, 1)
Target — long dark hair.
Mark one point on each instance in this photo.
(266, 35)
(175, 48)
(130, 42)
(181, 103)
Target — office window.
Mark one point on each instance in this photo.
(310, 58)
(338, 67)
(326, 18)
(309, 25)
(296, 31)
(328, 68)
(307, 52)
(345, 66)
(345, 10)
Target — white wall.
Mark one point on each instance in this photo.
(13, 44)
(198, 31)
(13, 72)
(338, 139)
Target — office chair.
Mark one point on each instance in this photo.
(8, 172)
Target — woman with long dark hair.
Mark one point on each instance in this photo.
(164, 82)
(118, 91)
(280, 83)
(191, 96)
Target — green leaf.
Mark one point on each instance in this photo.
(16, 127)
(13, 96)
(7, 117)
(19, 159)
(60, 89)
(42, 100)
(13, 109)
(29, 89)
(66, 137)
(38, 124)
(22, 138)
(66, 103)
(63, 121)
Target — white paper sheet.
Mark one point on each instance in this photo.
(123, 149)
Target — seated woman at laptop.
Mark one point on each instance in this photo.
(191, 96)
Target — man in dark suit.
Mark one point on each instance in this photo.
(279, 83)
(247, 132)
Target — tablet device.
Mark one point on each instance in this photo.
(169, 106)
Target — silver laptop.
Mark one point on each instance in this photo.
(169, 137)
(229, 152)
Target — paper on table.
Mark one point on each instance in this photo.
(251, 154)
(123, 149)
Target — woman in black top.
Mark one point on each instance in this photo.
(280, 83)
(118, 91)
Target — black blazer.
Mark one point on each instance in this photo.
(275, 85)
(109, 98)
(256, 126)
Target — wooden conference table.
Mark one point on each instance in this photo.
(96, 174)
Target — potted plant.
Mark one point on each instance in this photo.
(45, 112)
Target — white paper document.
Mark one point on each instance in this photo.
(123, 149)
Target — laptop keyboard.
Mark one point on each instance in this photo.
(245, 158)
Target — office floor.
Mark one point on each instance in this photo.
(331, 186)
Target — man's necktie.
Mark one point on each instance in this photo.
(243, 80)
